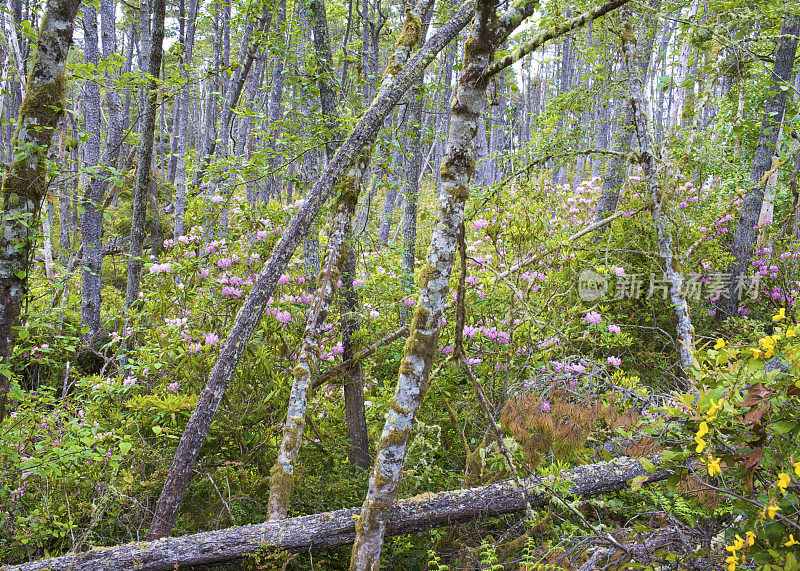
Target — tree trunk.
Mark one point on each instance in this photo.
(185, 97)
(331, 529)
(272, 185)
(674, 285)
(24, 184)
(488, 33)
(743, 239)
(246, 320)
(92, 216)
(141, 188)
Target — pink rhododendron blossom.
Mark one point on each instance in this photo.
(284, 279)
(546, 406)
(593, 318)
(614, 361)
(210, 338)
(172, 387)
(614, 329)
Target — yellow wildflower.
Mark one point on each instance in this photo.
(780, 315)
(792, 541)
(719, 344)
(772, 509)
(751, 538)
(783, 481)
(790, 332)
(713, 410)
(768, 345)
(796, 466)
(713, 467)
(757, 354)
(731, 560)
(703, 430)
(700, 444)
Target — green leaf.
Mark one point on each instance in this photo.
(783, 426)
(158, 429)
(637, 482)
(21, 274)
(647, 465)
(125, 447)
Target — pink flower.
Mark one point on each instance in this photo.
(593, 318)
(408, 302)
(158, 268)
(614, 329)
(129, 382)
(217, 198)
(284, 279)
(546, 406)
(373, 314)
(480, 223)
(283, 317)
(614, 361)
(619, 271)
(337, 349)
(210, 338)
(193, 348)
(172, 387)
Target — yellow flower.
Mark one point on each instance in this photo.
(751, 538)
(713, 410)
(783, 481)
(713, 467)
(757, 354)
(700, 444)
(796, 466)
(780, 315)
(792, 541)
(719, 344)
(703, 430)
(790, 332)
(772, 509)
(731, 560)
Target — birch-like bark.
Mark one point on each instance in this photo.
(745, 235)
(282, 473)
(24, 184)
(311, 346)
(682, 72)
(677, 295)
(246, 320)
(488, 32)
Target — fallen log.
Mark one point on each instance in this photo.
(331, 529)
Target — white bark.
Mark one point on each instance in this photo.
(684, 328)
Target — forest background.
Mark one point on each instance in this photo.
(221, 220)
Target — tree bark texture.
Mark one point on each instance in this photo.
(488, 32)
(745, 235)
(142, 185)
(677, 295)
(24, 185)
(282, 473)
(246, 320)
(331, 529)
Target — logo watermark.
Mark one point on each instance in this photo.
(593, 286)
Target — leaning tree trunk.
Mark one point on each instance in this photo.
(25, 184)
(311, 347)
(745, 235)
(674, 285)
(488, 33)
(246, 320)
(282, 473)
(141, 187)
(457, 169)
